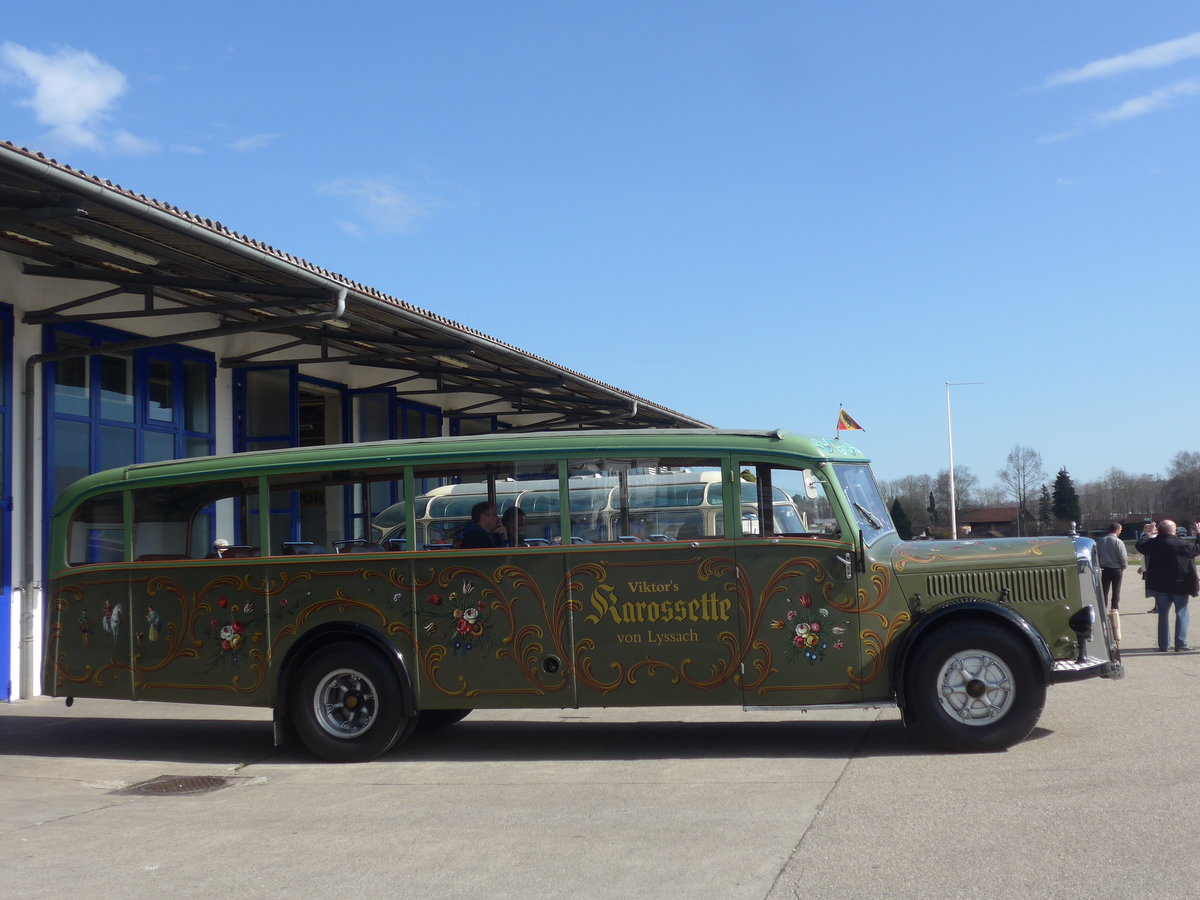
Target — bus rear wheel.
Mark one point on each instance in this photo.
(348, 705)
(973, 686)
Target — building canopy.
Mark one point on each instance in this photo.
(135, 258)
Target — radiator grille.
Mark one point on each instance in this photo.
(1024, 585)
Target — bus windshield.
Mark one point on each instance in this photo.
(868, 508)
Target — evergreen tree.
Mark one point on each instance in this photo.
(1066, 500)
(901, 521)
(932, 510)
(1045, 512)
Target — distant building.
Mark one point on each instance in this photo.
(998, 521)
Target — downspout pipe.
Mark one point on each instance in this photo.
(30, 588)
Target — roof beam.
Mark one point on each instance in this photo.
(15, 196)
(194, 284)
(30, 215)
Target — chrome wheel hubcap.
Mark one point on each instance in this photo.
(345, 703)
(975, 687)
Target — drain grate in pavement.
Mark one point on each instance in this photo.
(176, 785)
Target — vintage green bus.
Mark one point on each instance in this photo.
(668, 567)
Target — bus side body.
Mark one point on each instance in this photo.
(700, 592)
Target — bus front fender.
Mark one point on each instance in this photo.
(959, 610)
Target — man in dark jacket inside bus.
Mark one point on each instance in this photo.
(1171, 577)
(485, 529)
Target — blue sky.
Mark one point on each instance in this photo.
(750, 212)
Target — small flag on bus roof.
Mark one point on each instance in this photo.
(845, 423)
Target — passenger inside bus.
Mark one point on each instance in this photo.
(513, 521)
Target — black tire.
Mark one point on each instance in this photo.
(437, 719)
(973, 686)
(348, 704)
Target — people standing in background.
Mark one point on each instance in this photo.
(1171, 576)
(1113, 560)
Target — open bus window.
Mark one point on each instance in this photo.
(336, 512)
(188, 521)
(644, 500)
(524, 492)
(785, 502)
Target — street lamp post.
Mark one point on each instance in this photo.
(950, 442)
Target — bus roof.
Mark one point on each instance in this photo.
(481, 448)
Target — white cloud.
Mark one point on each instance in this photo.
(1156, 56)
(1058, 137)
(132, 144)
(73, 93)
(1148, 103)
(383, 205)
(252, 142)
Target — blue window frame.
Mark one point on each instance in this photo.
(378, 415)
(277, 407)
(111, 409)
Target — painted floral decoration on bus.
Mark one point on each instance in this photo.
(231, 629)
(459, 619)
(807, 634)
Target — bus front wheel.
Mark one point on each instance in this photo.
(348, 705)
(974, 686)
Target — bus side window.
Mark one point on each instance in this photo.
(185, 521)
(96, 533)
(307, 513)
(778, 500)
(645, 499)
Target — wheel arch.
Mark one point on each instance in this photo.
(322, 636)
(967, 609)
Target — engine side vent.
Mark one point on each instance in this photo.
(1022, 585)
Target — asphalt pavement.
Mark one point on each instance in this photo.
(1101, 801)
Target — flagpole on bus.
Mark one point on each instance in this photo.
(950, 441)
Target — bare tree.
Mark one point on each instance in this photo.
(913, 492)
(1182, 493)
(965, 484)
(1022, 477)
(989, 496)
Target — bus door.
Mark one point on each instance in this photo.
(491, 623)
(803, 643)
(652, 583)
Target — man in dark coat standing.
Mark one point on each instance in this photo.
(1171, 577)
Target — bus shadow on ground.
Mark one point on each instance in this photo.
(201, 741)
(235, 743)
(549, 741)
(614, 741)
